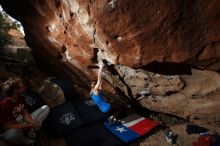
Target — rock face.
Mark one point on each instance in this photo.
(71, 36)
(173, 31)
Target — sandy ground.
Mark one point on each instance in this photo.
(158, 139)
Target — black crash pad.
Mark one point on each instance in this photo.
(66, 86)
(92, 135)
(62, 119)
(89, 111)
(33, 100)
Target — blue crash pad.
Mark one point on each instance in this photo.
(133, 127)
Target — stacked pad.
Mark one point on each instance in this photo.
(33, 100)
(62, 119)
(92, 135)
(89, 111)
(133, 127)
(66, 86)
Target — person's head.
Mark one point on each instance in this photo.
(13, 86)
(52, 94)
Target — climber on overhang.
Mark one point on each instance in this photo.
(113, 110)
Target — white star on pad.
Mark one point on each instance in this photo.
(120, 129)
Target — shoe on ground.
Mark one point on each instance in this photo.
(110, 120)
(169, 136)
(115, 122)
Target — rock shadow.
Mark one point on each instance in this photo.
(168, 68)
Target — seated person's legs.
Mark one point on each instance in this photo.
(40, 114)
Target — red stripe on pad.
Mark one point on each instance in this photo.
(144, 126)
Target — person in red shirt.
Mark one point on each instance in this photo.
(15, 121)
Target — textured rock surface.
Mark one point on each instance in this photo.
(194, 97)
(133, 34)
(198, 101)
(174, 31)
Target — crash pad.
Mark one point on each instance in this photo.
(92, 135)
(62, 119)
(132, 127)
(66, 86)
(89, 111)
(33, 100)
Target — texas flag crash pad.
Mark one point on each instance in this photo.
(132, 127)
